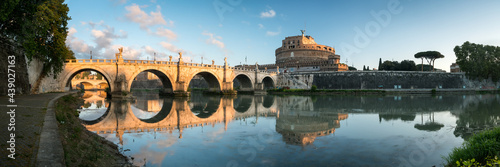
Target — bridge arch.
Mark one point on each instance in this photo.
(246, 83)
(67, 77)
(164, 77)
(212, 79)
(86, 85)
(268, 82)
(103, 84)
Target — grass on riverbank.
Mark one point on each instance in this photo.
(482, 149)
(81, 147)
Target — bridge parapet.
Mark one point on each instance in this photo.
(175, 75)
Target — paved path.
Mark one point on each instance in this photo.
(29, 121)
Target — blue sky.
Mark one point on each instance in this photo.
(360, 31)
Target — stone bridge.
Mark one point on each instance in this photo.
(175, 76)
(88, 83)
(178, 114)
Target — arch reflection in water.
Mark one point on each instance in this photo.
(204, 107)
(94, 106)
(176, 114)
(379, 126)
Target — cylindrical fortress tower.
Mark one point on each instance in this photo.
(302, 48)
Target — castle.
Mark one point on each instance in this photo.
(302, 53)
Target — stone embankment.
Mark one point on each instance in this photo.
(404, 80)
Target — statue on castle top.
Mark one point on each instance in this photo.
(169, 58)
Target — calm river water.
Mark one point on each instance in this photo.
(408, 130)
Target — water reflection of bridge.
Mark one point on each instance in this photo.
(178, 114)
(96, 97)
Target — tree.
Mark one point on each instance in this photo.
(479, 61)
(380, 64)
(39, 28)
(364, 68)
(430, 56)
(352, 68)
(425, 67)
(387, 66)
(407, 65)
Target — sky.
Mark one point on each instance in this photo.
(249, 31)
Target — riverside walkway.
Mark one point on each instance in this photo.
(30, 120)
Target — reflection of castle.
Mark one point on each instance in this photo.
(303, 129)
(302, 53)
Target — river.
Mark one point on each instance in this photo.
(247, 130)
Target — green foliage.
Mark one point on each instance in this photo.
(479, 61)
(314, 88)
(469, 163)
(425, 67)
(433, 91)
(478, 149)
(99, 76)
(6, 8)
(352, 68)
(40, 28)
(405, 65)
(380, 64)
(430, 56)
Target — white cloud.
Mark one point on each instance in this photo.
(128, 52)
(270, 13)
(163, 32)
(78, 46)
(149, 52)
(215, 40)
(274, 33)
(103, 38)
(170, 47)
(72, 31)
(119, 2)
(137, 15)
(260, 26)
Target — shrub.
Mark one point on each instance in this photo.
(481, 148)
(314, 88)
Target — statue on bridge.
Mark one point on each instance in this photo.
(225, 61)
(213, 62)
(180, 58)
(170, 58)
(119, 55)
